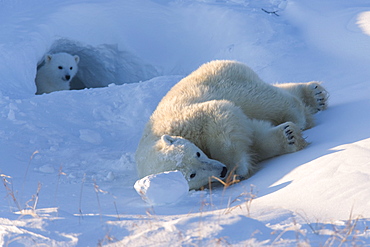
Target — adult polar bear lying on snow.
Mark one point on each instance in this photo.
(223, 118)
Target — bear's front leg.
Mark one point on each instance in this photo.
(270, 141)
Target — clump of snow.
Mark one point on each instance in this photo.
(90, 136)
(162, 188)
(46, 169)
(363, 20)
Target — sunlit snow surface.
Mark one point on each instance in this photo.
(67, 158)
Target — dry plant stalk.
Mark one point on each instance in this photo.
(231, 179)
(34, 199)
(80, 201)
(97, 190)
(10, 191)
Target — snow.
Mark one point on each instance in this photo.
(363, 22)
(162, 188)
(67, 158)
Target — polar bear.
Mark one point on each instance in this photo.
(56, 72)
(223, 119)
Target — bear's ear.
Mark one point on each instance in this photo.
(169, 140)
(48, 58)
(77, 58)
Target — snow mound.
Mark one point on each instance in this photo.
(162, 188)
(103, 65)
(363, 21)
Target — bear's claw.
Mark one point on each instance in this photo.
(289, 135)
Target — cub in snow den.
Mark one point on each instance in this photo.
(223, 118)
(56, 72)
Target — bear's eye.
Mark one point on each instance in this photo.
(60, 67)
(193, 175)
(71, 68)
(198, 154)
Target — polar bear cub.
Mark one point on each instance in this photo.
(56, 72)
(222, 119)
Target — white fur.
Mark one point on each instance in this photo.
(225, 112)
(56, 72)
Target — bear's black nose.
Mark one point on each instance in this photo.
(68, 77)
(223, 173)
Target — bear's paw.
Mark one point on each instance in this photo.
(316, 97)
(292, 137)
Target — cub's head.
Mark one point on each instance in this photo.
(181, 154)
(62, 65)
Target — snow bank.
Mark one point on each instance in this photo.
(334, 28)
(172, 37)
(363, 21)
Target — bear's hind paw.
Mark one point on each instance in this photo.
(289, 135)
(292, 137)
(316, 97)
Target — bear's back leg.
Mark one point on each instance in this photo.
(312, 94)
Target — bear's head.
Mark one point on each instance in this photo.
(62, 65)
(183, 155)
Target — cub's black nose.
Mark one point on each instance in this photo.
(68, 77)
(223, 173)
